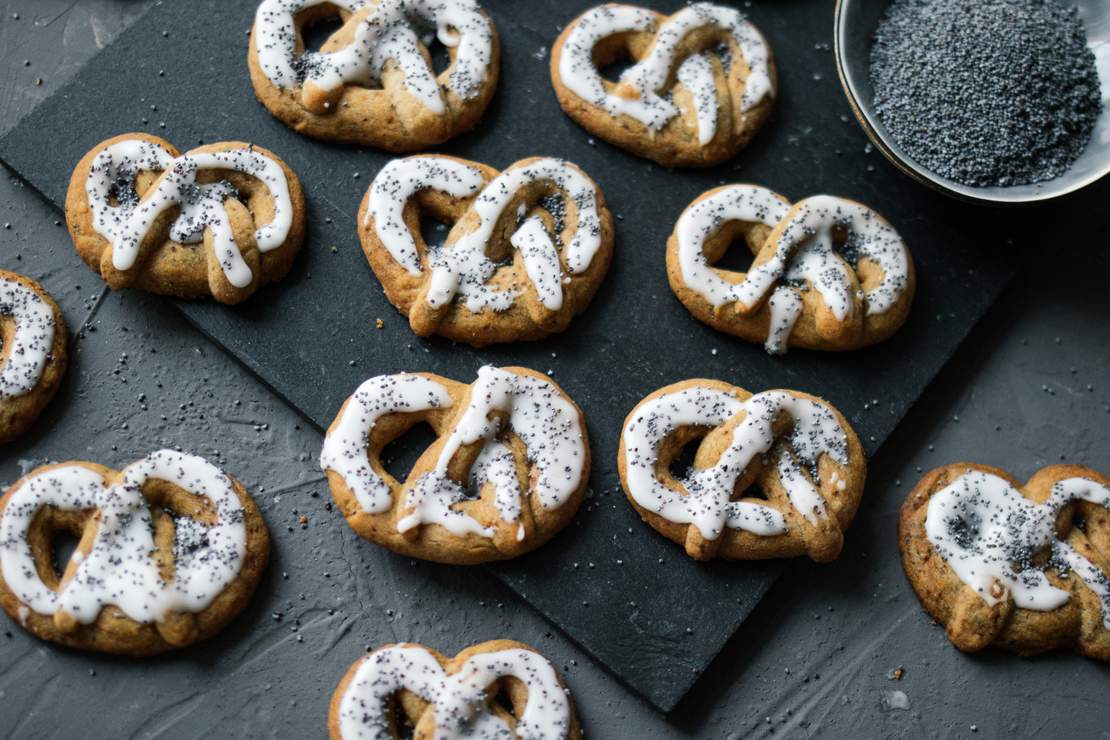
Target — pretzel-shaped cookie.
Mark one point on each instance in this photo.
(32, 352)
(1023, 567)
(829, 273)
(136, 206)
(797, 449)
(527, 249)
(170, 549)
(703, 82)
(403, 688)
(507, 471)
(372, 81)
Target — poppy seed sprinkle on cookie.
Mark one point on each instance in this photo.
(986, 92)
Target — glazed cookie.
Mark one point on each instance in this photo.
(526, 251)
(372, 82)
(702, 85)
(221, 220)
(795, 449)
(495, 689)
(1024, 567)
(829, 273)
(170, 549)
(508, 469)
(32, 352)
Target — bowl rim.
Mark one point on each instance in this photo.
(920, 174)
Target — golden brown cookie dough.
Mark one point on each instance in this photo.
(33, 353)
(525, 252)
(169, 550)
(219, 221)
(507, 471)
(777, 474)
(372, 82)
(829, 273)
(1022, 567)
(702, 84)
(499, 688)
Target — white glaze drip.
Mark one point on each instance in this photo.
(989, 533)
(544, 420)
(346, 444)
(786, 308)
(460, 700)
(22, 364)
(704, 498)
(119, 569)
(389, 33)
(126, 224)
(696, 75)
(650, 104)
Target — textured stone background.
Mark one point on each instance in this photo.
(1031, 388)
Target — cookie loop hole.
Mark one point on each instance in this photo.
(7, 336)
(845, 243)
(399, 455)
(403, 710)
(318, 24)
(433, 229)
(734, 259)
(315, 32)
(63, 544)
(180, 519)
(612, 65)
(753, 492)
(252, 192)
(734, 246)
(54, 536)
(440, 56)
(613, 55)
(678, 454)
(681, 464)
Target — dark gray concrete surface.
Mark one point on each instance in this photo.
(1031, 388)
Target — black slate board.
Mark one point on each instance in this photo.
(625, 594)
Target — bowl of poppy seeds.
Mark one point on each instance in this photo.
(992, 101)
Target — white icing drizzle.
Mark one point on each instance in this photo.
(540, 416)
(696, 75)
(989, 533)
(119, 569)
(391, 32)
(650, 104)
(126, 224)
(704, 498)
(805, 254)
(401, 179)
(705, 218)
(462, 267)
(461, 700)
(544, 420)
(346, 444)
(31, 341)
